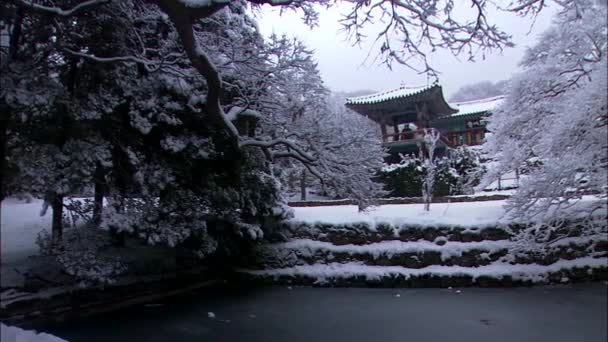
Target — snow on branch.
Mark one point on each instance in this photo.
(410, 28)
(303, 156)
(193, 9)
(150, 65)
(83, 6)
(183, 18)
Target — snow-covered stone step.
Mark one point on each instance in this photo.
(363, 233)
(495, 274)
(422, 253)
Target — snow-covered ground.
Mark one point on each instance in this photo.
(466, 214)
(462, 214)
(21, 223)
(14, 334)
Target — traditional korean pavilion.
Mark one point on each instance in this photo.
(404, 113)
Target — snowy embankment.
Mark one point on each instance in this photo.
(463, 243)
(14, 334)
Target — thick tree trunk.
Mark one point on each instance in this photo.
(118, 238)
(427, 205)
(15, 35)
(3, 138)
(99, 194)
(57, 227)
(303, 186)
(3, 128)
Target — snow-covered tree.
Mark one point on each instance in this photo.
(163, 84)
(554, 121)
(347, 149)
(354, 153)
(432, 24)
(319, 142)
(427, 154)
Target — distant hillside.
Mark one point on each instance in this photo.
(355, 93)
(479, 90)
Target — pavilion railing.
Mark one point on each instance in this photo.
(411, 136)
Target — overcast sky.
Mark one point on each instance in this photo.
(342, 65)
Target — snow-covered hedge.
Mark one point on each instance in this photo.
(456, 174)
(423, 253)
(359, 233)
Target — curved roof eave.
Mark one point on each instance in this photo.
(449, 109)
(463, 116)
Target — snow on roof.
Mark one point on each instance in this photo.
(400, 92)
(477, 106)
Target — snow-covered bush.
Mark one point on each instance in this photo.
(81, 255)
(469, 168)
(405, 179)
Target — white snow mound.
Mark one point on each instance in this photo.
(14, 334)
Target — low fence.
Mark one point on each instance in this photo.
(401, 200)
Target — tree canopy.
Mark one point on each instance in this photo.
(554, 123)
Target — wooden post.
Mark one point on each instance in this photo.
(395, 129)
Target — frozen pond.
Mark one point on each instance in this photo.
(552, 313)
